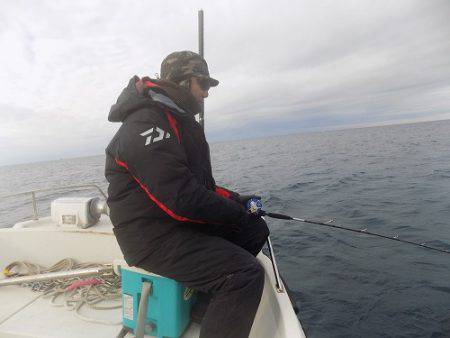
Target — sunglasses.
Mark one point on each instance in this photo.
(204, 84)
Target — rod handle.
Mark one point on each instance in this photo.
(275, 215)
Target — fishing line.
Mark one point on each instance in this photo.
(363, 231)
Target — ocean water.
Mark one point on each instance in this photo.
(394, 180)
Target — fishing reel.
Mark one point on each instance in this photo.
(254, 206)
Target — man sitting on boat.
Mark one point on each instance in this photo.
(169, 215)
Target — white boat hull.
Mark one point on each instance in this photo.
(24, 313)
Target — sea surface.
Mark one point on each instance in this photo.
(394, 180)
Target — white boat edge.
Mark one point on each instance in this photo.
(44, 242)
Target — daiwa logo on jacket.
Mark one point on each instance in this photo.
(154, 134)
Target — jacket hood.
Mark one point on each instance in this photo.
(146, 92)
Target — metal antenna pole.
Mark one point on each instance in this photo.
(200, 32)
(201, 118)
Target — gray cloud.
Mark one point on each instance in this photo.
(284, 67)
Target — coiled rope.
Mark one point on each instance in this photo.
(75, 292)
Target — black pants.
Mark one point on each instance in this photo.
(220, 262)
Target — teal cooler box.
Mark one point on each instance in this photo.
(168, 308)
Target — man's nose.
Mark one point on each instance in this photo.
(205, 94)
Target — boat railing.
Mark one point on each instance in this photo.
(33, 193)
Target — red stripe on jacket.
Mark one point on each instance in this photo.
(173, 124)
(154, 199)
(223, 192)
(150, 84)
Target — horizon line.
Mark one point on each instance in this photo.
(314, 130)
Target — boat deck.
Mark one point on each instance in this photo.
(25, 313)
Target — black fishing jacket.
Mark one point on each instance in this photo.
(159, 170)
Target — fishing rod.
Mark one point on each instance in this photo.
(363, 231)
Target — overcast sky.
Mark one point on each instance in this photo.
(284, 66)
